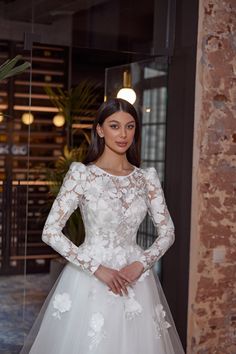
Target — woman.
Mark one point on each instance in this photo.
(108, 299)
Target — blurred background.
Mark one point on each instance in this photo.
(175, 61)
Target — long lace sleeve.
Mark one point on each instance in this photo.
(65, 203)
(158, 211)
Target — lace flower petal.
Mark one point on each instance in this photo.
(61, 303)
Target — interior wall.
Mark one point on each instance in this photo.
(178, 174)
(212, 287)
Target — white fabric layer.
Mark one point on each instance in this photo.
(99, 322)
(81, 315)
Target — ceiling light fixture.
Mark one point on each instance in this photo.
(127, 93)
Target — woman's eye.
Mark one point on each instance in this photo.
(115, 126)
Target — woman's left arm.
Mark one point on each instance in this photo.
(158, 211)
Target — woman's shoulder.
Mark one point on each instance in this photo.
(151, 170)
(150, 174)
(77, 166)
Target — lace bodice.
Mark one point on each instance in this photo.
(112, 209)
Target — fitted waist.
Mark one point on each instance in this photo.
(111, 243)
(112, 254)
(111, 240)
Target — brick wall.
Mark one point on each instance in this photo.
(212, 282)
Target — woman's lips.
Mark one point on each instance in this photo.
(121, 144)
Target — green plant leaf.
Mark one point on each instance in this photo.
(76, 102)
(9, 68)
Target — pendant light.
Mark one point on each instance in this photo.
(127, 93)
(27, 118)
(59, 120)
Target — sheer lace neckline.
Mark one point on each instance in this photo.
(110, 174)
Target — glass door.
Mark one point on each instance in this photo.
(29, 144)
(148, 80)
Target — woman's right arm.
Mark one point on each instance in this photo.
(63, 206)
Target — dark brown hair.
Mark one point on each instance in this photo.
(97, 144)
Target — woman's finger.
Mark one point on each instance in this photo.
(117, 286)
(113, 289)
(123, 285)
(125, 277)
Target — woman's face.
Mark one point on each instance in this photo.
(118, 131)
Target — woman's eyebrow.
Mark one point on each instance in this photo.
(116, 121)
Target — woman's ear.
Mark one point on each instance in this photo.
(99, 131)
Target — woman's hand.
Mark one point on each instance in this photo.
(113, 278)
(132, 271)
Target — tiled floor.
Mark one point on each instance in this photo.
(16, 319)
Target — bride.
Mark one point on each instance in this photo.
(108, 299)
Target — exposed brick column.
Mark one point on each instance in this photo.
(212, 282)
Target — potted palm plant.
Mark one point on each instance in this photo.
(76, 105)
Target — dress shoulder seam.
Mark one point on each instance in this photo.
(149, 169)
(77, 164)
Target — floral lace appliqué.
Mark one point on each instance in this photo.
(160, 322)
(132, 307)
(112, 208)
(61, 304)
(96, 332)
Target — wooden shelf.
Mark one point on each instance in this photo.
(38, 158)
(32, 95)
(38, 83)
(45, 72)
(35, 109)
(49, 69)
(46, 60)
(39, 134)
(35, 256)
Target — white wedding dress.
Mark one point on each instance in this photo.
(81, 315)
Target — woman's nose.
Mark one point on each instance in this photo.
(123, 133)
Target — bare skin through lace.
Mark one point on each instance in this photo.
(112, 209)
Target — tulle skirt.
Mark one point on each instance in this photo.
(81, 316)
